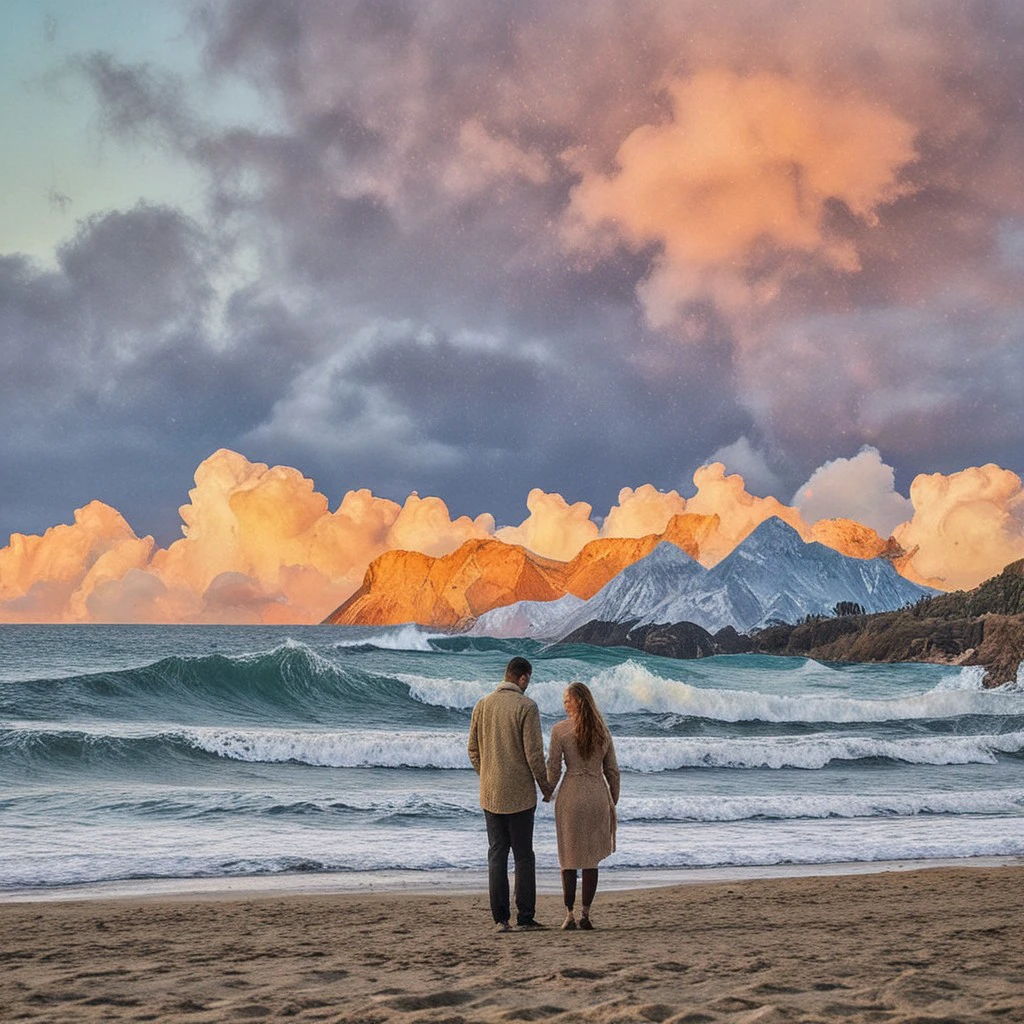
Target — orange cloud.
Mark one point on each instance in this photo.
(744, 161)
(554, 528)
(141, 596)
(739, 512)
(966, 526)
(642, 512)
(270, 527)
(48, 578)
(260, 544)
(424, 524)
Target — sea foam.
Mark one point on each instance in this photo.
(421, 749)
(372, 748)
(401, 638)
(631, 688)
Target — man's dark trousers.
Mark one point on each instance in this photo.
(511, 832)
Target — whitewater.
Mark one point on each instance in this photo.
(131, 752)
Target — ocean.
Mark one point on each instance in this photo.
(135, 752)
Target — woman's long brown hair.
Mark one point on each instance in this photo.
(588, 725)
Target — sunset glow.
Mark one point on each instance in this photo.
(545, 274)
(261, 545)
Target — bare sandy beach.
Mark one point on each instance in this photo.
(935, 946)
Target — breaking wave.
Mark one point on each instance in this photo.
(400, 638)
(632, 687)
(293, 682)
(424, 806)
(370, 748)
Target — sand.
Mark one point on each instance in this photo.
(915, 947)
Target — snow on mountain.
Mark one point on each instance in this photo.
(526, 618)
(647, 583)
(773, 576)
(641, 585)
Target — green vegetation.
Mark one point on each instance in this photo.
(984, 626)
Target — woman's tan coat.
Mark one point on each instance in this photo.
(585, 805)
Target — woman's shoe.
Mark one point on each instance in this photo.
(585, 924)
(569, 924)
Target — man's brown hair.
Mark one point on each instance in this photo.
(517, 667)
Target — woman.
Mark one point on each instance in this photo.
(585, 805)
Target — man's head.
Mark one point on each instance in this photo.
(518, 671)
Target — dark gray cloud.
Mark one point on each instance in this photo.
(115, 386)
(377, 100)
(412, 314)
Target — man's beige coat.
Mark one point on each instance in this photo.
(507, 750)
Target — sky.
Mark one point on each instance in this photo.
(477, 250)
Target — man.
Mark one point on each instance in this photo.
(507, 752)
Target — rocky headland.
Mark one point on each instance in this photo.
(984, 626)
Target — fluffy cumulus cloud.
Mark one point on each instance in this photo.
(536, 249)
(642, 511)
(744, 458)
(554, 528)
(48, 578)
(966, 526)
(860, 488)
(260, 543)
(725, 495)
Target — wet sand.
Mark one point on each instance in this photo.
(935, 946)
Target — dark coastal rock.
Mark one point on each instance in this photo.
(669, 640)
(995, 642)
(1002, 648)
(678, 640)
(729, 641)
(601, 634)
(984, 626)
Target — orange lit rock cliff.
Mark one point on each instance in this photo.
(406, 586)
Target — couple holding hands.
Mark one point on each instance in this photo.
(507, 751)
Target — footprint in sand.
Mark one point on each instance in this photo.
(428, 1001)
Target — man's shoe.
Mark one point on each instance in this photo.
(530, 925)
(503, 926)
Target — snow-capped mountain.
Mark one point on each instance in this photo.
(527, 618)
(646, 584)
(772, 576)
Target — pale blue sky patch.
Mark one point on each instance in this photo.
(59, 166)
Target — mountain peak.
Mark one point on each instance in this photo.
(769, 539)
(772, 527)
(663, 554)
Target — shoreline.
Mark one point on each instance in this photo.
(461, 882)
(907, 946)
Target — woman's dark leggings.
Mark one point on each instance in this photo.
(569, 886)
